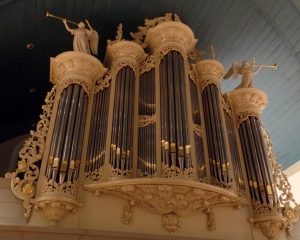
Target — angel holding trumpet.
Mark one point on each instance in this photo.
(85, 40)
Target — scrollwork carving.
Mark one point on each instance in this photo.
(242, 116)
(50, 186)
(118, 173)
(103, 83)
(145, 120)
(23, 180)
(171, 199)
(197, 130)
(291, 208)
(149, 23)
(96, 175)
(147, 64)
(66, 82)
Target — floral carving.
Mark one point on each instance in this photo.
(171, 199)
(145, 120)
(23, 180)
(86, 86)
(96, 175)
(103, 83)
(149, 23)
(242, 116)
(174, 171)
(147, 64)
(55, 209)
(291, 208)
(118, 173)
(197, 130)
(50, 186)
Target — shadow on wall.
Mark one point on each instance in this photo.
(9, 151)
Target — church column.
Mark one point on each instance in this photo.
(247, 104)
(74, 75)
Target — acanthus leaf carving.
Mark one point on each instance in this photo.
(147, 64)
(103, 83)
(24, 187)
(171, 199)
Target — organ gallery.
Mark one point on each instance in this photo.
(149, 132)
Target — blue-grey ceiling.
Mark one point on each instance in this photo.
(268, 30)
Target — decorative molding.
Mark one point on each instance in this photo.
(208, 71)
(116, 173)
(149, 23)
(291, 209)
(124, 53)
(76, 67)
(55, 208)
(171, 32)
(226, 105)
(96, 175)
(147, 64)
(247, 102)
(192, 75)
(104, 82)
(164, 49)
(197, 129)
(32, 152)
(145, 120)
(170, 198)
(173, 171)
(51, 186)
(242, 116)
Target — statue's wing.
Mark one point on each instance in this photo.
(93, 41)
(233, 71)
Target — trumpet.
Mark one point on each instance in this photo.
(60, 18)
(274, 66)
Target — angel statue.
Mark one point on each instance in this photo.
(248, 70)
(85, 40)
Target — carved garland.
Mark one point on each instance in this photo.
(103, 83)
(170, 199)
(145, 120)
(242, 116)
(147, 64)
(32, 152)
(140, 35)
(66, 82)
(291, 209)
(197, 130)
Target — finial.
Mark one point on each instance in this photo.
(119, 35)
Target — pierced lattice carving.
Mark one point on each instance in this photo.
(103, 83)
(96, 175)
(32, 152)
(147, 64)
(51, 186)
(291, 208)
(145, 120)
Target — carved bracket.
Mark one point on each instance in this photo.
(170, 198)
(55, 207)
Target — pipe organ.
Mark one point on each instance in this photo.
(149, 126)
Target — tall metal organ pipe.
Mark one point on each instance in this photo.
(97, 136)
(122, 128)
(174, 130)
(66, 145)
(146, 135)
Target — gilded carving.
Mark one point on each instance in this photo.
(68, 81)
(291, 208)
(242, 116)
(115, 173)
(145, 120)
(96, 175)
(147, 64)
(171, 199)
(197, 130)
(149, 23)
(55, 208)
(104, 82)
(51, 186)
(24, 187)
